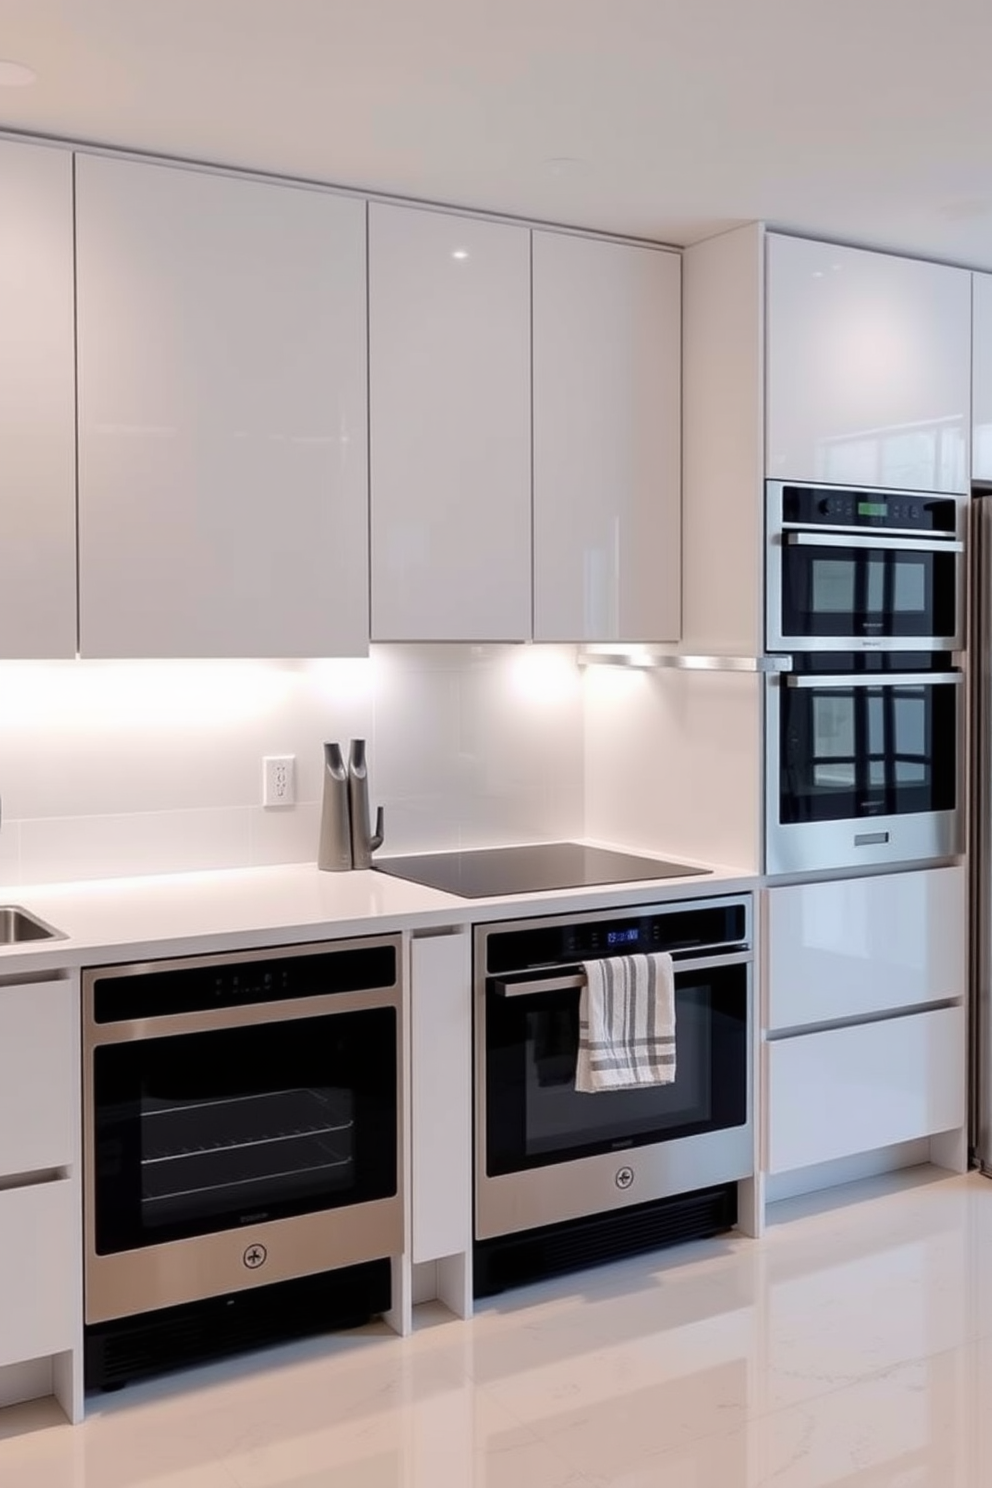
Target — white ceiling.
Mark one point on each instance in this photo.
(864, 120)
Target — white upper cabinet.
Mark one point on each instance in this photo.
(981, 407)
(606, 441)
(222, 415)
(450, 391)
(868, 368)
(37, 404)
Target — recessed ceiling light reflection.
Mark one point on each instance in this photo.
(460, 253)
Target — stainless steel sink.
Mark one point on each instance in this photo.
(17, 925)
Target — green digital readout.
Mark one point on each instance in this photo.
(873, 508)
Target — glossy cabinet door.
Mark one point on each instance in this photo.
(981, 407)
(857, 946)
(222, 415)
(449, 379)
(848, 1090)
(607, 351)
(868, 376)
(39, 1076)
(37, 404)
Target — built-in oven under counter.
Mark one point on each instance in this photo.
(242, 1150)
(563, 1178)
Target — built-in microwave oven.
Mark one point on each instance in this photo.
(862, 758)
(862, 570)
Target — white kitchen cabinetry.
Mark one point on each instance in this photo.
(868, 367)
(38, 1076)
(441, 1111)
(450, 390)
(981, 404)
(37, 404)
(882, 961)
(858, 946)
(222, 415)
(850, 1090)
(607, 351)
(40, 1194)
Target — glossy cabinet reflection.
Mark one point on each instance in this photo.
(449, 377)
(37, 404)
(606, 441)
(981, 406)
(222, 415)
(868, 367)
(858, 946)
(864, 1018)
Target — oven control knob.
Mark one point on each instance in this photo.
(255, 1256)
(624, 1177)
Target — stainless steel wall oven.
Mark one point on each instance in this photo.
(565, 1178)
(862, 761)
(851, 570)
(241, 1149)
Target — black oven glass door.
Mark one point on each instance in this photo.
(534, 1115)
(866, 592)
(850, 750)
(211, 1130)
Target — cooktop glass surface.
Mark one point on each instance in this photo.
(490, 872)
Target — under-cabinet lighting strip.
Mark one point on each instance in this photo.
(653, 661)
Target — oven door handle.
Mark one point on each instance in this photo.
(812, 682)
(863, 540)
(574, 980)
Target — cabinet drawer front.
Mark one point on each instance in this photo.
(851, 1090)
(40, 1257)
(39, 1077)
(840, 950)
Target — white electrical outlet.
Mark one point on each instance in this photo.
(279, 780)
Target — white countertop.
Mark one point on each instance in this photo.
(192, 913)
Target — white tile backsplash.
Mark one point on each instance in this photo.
(111, 768)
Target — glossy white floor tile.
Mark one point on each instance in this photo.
(849, 1348)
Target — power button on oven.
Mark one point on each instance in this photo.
(255, 1256)
(624, 1177)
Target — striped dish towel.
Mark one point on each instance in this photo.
(626, 1023)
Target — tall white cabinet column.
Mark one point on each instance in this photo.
(37, 403)
(222, 415)
(607, 350)
(868, 367)
(449, 349)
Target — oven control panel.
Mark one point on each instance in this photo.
(685, 928)
(826, 506)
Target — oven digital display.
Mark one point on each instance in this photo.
(873, 508)
(623, 937)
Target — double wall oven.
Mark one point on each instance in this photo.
(564, 1178)
(864, 722)
(242, 1120)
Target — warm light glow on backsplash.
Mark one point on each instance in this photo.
(544, 674)
(138, 695)
(341, 679)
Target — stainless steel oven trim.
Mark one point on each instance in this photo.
(808, 847)
(776, 531)
(536, 986)
(510, 1202)
(811, 682)
(177, 1271)
(807, 537)
(245, 1016)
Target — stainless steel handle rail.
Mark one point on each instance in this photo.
(570, 980)
(861, 539)
(876, 679)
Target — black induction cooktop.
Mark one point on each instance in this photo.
(493, 871)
